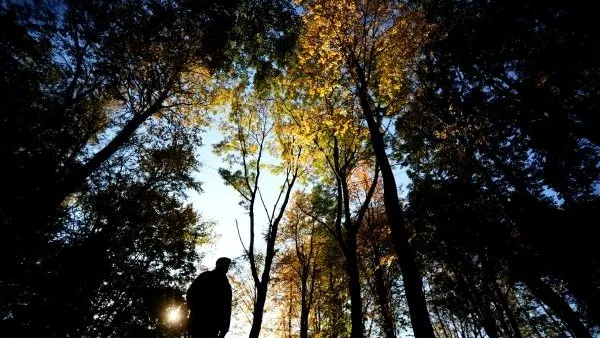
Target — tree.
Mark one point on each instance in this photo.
(376, 247)
(324, 266)
(341, 144)
(365, 47)
(249, 128)
(298, 265)
(82, 78)
(490, 130)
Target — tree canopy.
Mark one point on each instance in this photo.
(437, 165)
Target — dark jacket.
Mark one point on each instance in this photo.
(209, 301)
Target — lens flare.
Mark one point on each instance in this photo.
(173, 314)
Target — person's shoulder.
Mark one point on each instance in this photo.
(205, 275)
(202, 277)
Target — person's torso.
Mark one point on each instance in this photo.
(214, 293)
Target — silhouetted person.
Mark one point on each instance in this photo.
(209, 301)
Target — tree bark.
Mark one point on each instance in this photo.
(584, 290)
(505, 306)
(77, 176)
(441, 322)
(290, 312)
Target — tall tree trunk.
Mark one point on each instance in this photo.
(318, 319)
(481, 306)
(441, 322)
(455, 327)
(259, 308)
(383, 299)
(262, 286)
(304, 307)
(348, 243)
(557, 304)
(336, 306)
(77, 176)
(356, 315)
(411, 276)
(289, 314)
(528, 318)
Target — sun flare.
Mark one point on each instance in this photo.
(173, 314)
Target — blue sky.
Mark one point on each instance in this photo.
(220, 203)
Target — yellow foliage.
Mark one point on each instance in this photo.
(343, 45)
(365, 42)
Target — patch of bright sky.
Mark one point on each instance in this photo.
(220, 203)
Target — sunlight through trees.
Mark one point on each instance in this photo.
(489, 107)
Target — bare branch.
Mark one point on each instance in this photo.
(269, 218)
(240, 236)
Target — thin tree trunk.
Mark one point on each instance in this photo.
(318, 319)
(290, 311)
(488, 320)
(259, 307)
(304, 305)
(441, 321)
(505, 307)
(263, 285)
(503, 324)
(526, 314)
(383, 298)
(455, 328)
(336, 306)
(348, 244)
(78, 176)
(552, 316)
(584, 290)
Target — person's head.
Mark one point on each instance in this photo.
(222, 264)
